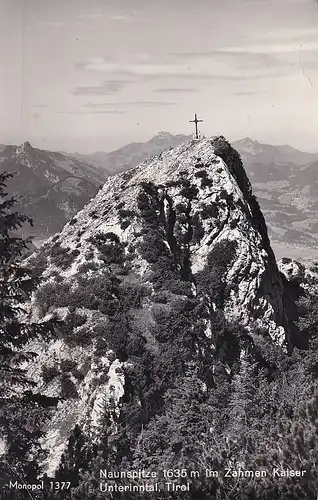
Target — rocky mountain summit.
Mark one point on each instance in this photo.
(154, 339)
(160, 269)
(284, 180)
(54, 186)
(132, 154)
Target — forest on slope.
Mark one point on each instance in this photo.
(233, 401)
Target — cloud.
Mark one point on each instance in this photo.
(146, 70)
(118, 18)
(290, 34)
(247, 92)
(109, 108)
(158, 69)
(226, 64)
(51, 24)
(190, 55)
(248, 62)
(98, 64)
(235, 63)
(94, 15)
(197, 78)
(98, 15)
(110, 87)
(132, 104)
(94, 112)
(274, 60)
(271, 48)
(175, 90)
(230, 57)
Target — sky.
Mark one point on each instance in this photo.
(94, 75)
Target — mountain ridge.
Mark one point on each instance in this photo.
(283, 178)
(182, 231)
(50, 187)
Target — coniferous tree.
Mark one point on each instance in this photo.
(16, 286)
(21, 415)
(74, 457)
(172, 438)
(242, 398)
(98, 451)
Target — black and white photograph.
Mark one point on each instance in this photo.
(158, 250)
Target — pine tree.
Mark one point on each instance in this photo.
(241, 399)
(100, 452)
(106, 429)
(76, 465)
(21, 411)
(16, 286)
(173, 437)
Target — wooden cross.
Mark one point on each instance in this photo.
(196, 121)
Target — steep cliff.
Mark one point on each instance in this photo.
(169, 264)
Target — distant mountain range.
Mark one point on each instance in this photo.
(134, 153)
(55, 186)
(51, 187)
(285, 182)
(284, 179)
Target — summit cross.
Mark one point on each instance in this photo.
(196, 121)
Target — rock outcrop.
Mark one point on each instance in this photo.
(181, 228)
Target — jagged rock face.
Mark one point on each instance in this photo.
(291, 269)
(302, 274)
(181, 230)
